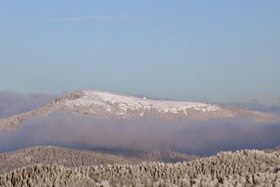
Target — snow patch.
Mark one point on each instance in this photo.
(122, 104)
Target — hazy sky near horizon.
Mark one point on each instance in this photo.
(216, 51)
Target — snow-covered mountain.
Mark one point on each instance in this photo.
(99, 104)
(104, 104)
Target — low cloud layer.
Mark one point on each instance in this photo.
(12, 103)
(257, 106)
(201, 138)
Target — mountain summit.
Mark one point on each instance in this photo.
(99, 104)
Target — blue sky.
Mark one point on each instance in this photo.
(216, 51)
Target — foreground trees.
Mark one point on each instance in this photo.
(242, 168)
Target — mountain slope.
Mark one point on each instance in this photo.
(241, 168)
(108, 105)
(58, 155)
(74, 158)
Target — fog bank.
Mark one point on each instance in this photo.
(200, 138)
(13, 103)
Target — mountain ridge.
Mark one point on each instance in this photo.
(71, 157)
(100, 104)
